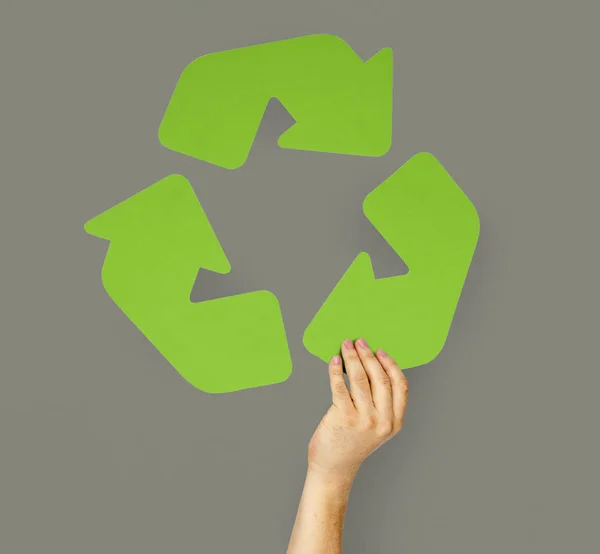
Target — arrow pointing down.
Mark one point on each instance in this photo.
(160, 238)
(340, 103)
(432, 225)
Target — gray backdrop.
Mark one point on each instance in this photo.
(104, 448)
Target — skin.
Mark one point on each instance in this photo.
(361, 419)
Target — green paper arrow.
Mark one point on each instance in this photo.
(340, 103)
(160, 238)
(434, 227)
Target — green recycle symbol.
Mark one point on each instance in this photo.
(161, 237)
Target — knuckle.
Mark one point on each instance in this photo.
(336, 369)
(361, 379)
(395, 372)
(370, 421)
(351, 355)
(398, 422)
(368, 353)
(385, 428)
(384, 379)
(340, 388)
(352, 420)
(400, 381)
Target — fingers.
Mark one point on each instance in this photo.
(380, 382)
(360, 389)
(339, 391)
(399, 386)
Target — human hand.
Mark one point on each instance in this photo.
(361, 419)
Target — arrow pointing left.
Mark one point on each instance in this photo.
(160, 238)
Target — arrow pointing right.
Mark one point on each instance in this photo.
(340, 103)
(434, 227)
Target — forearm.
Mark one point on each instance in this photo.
(358, 422)
(320, 519)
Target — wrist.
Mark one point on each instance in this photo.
(335, 481)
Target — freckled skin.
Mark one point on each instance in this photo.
(361, 419)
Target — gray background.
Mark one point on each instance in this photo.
(104, 448)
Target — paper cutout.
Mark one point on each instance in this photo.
(160, 238)
(340, 103)
(432, 225)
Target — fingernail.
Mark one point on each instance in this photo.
(336, 360)
(362, 343)
(382, 353)
(348, 344)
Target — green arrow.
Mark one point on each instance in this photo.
(341, 104)
(160, 238)
(434, 227)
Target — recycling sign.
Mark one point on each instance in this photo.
(161, 237)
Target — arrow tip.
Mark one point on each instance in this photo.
(165, 216)
(336, 320)
(96, 228)
(354, 117)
